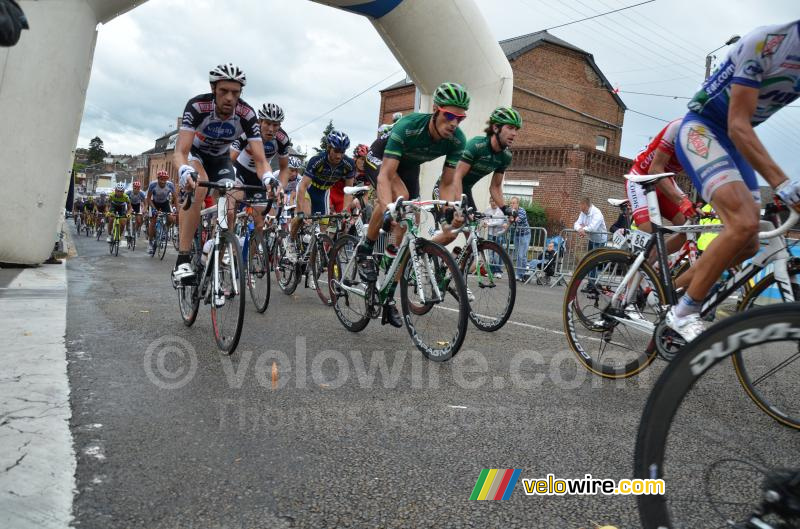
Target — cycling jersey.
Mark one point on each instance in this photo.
(213, 135)
(88, 206)
(115, 199)
(664, 142)
(278, 145)
(412, 144)
(767, 58)
(136, 198)
(100, 204)
(323, 175)
(160, 194)
(483, 160)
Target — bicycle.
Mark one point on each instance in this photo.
(113, 246)
(130, 233)
(477, 261)
(161, 237)
(630, 300)
(716, 475)
(255, 253)
(427, 274)
(219, 278)
(99, 224)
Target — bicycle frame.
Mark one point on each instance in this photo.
(775, 253)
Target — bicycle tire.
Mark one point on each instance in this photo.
(350, 309)
(175, 236)
(163, 242)
(228, 339)
(452, 280)
(320, 253)
(286, 273)
(189, 295)
(258, 271)
(750, 384)
(600, 325)
(674, 385)
(489, 322)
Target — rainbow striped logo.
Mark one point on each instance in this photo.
(495, 484)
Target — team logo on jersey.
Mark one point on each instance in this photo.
(698, 142)
(771, 44)
(219, 130)
(752, 68)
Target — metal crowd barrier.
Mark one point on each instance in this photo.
(520, 257)
(575, 248)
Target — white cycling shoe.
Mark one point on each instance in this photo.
(181, 272)
(688, 328)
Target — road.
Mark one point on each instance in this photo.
(308, 425)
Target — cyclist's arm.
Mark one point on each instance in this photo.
(262, 167)
(743, 103)
(389, 172)
(665, 185)
(183, 146)
(452, 181)
(283, 167)
(496, 189)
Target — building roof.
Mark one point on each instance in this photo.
(516, 46)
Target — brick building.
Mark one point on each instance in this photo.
(569, 146)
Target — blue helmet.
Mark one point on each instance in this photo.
(338, 140)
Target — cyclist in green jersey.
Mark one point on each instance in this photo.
(119, 205)
(483, 155)
(414, 140)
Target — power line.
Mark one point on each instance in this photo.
(367, 89)
(654, 95)
(598, 15)
(648, 115)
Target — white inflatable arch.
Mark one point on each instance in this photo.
(43, 82)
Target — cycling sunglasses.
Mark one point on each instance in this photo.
(449, 116)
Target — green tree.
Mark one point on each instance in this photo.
(96, 151)
(323, 142)
(537, 217)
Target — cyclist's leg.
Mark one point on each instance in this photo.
(190, 219)
(728, 182)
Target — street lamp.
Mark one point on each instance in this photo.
(710, 55)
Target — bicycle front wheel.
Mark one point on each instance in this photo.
(770, 379)
(319, 267)
(350, 307)
(612, 338)
(491, 295)
(258, 274)
(189, 295)
(162, 242)
(227, 296)
(436, 286)
(286, 272)
(718, 455)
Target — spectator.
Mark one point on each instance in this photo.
(591, 222)
(546, 260)
(497, 224)
(522, 237)
(12, 22)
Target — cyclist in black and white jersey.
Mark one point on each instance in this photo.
(276, 142)
(211, 122)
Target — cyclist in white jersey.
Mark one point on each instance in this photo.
(138, 198)
(160, 197)
(720, 151)
(211, 122)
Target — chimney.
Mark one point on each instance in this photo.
(179, 120)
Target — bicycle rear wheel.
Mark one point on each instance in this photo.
(258, 274)
(228, 318)
(350, 308)
(612, 340)
(439, 330)
(491, 300)
(770, 379)
(717, 454)
(286, 272)
(318, 260)
(174, 233)
(163, 241)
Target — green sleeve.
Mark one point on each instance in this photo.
(506, 162)
(469, 153)
(395, 146)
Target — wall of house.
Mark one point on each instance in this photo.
(397, 100)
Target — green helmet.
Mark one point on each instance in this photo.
(451, 94)
(506, 116)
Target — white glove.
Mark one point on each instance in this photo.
(789, 192)
(266, 178)
(184, 174)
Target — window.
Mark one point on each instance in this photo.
(519, 188)
(601, 143)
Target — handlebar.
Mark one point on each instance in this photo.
(783, 228)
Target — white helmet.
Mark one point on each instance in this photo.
(295, 162)
(119, 187)
(227, 72)
(271, 112)
(396, 116)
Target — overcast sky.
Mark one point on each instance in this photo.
(310, 58)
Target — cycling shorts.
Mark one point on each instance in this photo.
(337, 198)
(711, 159)
(249, 178)
(217, 167)
(408, 174)
(119, 209)
(320, 200)
(638, 200)
(164, 207)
